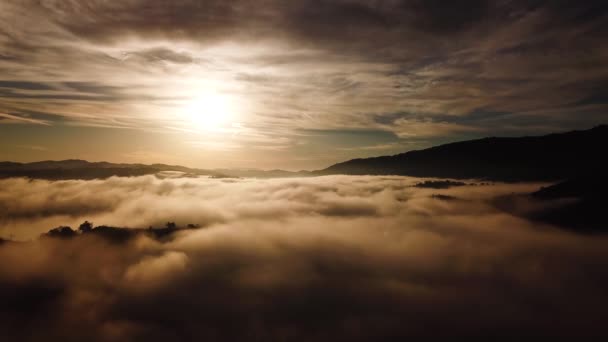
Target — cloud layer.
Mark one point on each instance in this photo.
(317, 259)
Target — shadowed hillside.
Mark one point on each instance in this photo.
(548, 157)
(584, 202)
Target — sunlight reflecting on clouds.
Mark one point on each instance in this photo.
(358, 258)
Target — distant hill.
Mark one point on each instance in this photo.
(576, 204)
(583, 203)
(254, 173)
(82, 169)
(548, 157)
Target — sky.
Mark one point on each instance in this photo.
(291, 84)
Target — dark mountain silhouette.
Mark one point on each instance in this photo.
(549, 157)
(587, 187)
(440, 184)
(254, 173)
(82, 169)
(583, 201)
(576, 204)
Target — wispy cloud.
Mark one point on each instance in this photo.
(9, 118)
(33, 147)
(309, 64)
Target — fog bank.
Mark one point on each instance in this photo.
(317, 259)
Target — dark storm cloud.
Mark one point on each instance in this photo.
(396, 262)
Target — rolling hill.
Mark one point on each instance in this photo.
(548, 157)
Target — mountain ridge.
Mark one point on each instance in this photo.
(547, 157)
(83, 169)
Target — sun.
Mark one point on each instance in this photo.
(210, 112)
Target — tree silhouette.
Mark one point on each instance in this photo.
(85, 227)
(61, 232)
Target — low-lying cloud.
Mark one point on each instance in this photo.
(316, 259)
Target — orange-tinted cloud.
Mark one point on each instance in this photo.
(304, 259)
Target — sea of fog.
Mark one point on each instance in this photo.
(318, 259)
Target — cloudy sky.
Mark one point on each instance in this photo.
(291, 84)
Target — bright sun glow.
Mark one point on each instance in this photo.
(210, 112)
